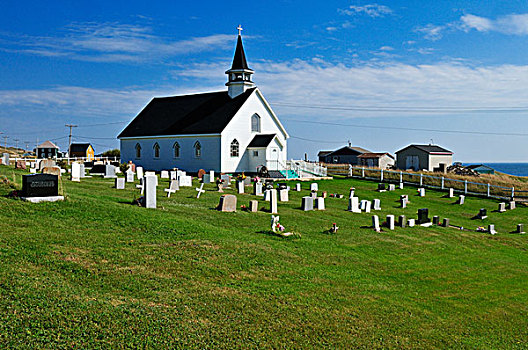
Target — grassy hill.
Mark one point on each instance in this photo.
(96, 271)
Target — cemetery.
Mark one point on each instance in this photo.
(214, 260)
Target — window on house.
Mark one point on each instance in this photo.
(176, 148)
(255, 123)
(255, 153)
(138, 150)
(197, 149)
(234, 148)
(156, 150)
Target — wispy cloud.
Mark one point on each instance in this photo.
(111, 42)
(371, 10)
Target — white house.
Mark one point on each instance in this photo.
(226, 131)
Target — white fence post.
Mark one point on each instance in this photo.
(401, 176)
(362, 172)
(442, 182)
(421, 179)
(465, 186)
(381, 176)
(513, 193)
(488, 190)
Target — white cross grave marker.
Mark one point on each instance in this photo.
(200, 190)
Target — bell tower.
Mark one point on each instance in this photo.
(239, 76)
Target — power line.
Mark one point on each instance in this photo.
(412, 129)
(312, 140)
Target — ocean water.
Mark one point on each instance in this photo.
(517, 169)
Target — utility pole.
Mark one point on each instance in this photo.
(16, 145)
(5, 143)
(69, 142)
(1, 133)
(27, 146)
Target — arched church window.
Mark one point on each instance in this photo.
(138, 150)
(235, 148)
(255, 123)
(156, 150)
(197, 149)
(176, 148)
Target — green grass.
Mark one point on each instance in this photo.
(95, 271)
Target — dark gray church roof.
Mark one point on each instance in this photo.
(207, 113)
(239, 60)
(261, 140)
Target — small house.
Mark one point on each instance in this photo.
(47, 149)
(424, 157)
(82, 150)
(482, 169)
(343, 155)
(376, 160)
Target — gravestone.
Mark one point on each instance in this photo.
(283, 195)
(401, 185)
(403, 201)
(451, 193)
(247, 181)
(227, 179)
(206, 179)
(390, 222)
(82, 170)
(483, 214)
(411, 222)
(267, 195)
(130, 175)
(423, 216)
(200, 190)
(98, 169)
(375, 223)
(421, 192)
(141, 185)
(367, 207)
(491, 229)
(52, 170)
(173, 175)
(520, 228)
(150, 182)
(46, 163)
(257, 189)
(40, 185)
(325, 194)
(173, 187)
(461, 199)
(5, 159)
(363, 204)
(33, 170)
(436, 220)
(164, 174)
(120, 183)
(139, 172)
(240, 187)
(76, 172)
(313, 194)
(253, 206)
(20, 164)
(512, 205)
(352, 192)
(110, 171)
(392, 187)
(376, 204)
(502, 207)
(319, 203)
(228, 203)
(185, 181)
(353, 205)
(402, 221)
(314, 187)
(381, 187)
(211, 175)
(307, 203)
(445, 222)
(273, 201)
(298, 187)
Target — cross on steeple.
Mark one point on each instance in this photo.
(240, 29)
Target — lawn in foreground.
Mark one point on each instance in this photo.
(97, 271)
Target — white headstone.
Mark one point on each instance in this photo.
(376, 203)
(283, 195)
(227, 179)
(352, 192)
(390, 222)
(298, 187)
(83, 170)
(76, 172)
(375, 223)
(266, 195)
(257, 189)
(173, 174)
(139, 172)
(401, 185)
(206, 178)
(512, 205)
(353, 205)
(150, 182)
(130, 175)
(273, 201)
(110, 171)
(120, 183)
(320, 203)
(411, 222)
(491, 229)
(461, 199)
(367, 207)
(502, 207)
(451, 192)
(392, 187)
(211, 174)
(240, 187)
(314, 186)
(164, 174)
(307, 203)
(421, 192)
(185, 181)
(363, 204)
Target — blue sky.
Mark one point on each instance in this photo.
(379, 74)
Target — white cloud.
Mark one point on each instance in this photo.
(371, 10)
(431, 32)
(112, 42)
(386, 48)
(475, 22)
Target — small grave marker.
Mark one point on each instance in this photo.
(520, 228)
(164, 174)
(200, 190)
(402, 221)
(320, 203)
(76, 172)
(257, 189)
(392, 187)
(376, 204)
(491, 229)
(307, 203)
(173, 187)
(150, 182)
(375, 223)
(411, 222)
(451, 193)
(314, 187)
(253, 206)
(298, 187)
(502, 207)
(130, 175)
(120, 183)
(423, 216)
(390, 222)
(512, 205)
(353, 205)
(436, 220)
(445, 222)
(421, 192)
(483, 214)
(273, 201)
(461, 199)
(228, 203)
(381, 187)
(283, 195)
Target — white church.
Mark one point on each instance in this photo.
(225, 131)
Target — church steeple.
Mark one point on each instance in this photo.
(239, 76)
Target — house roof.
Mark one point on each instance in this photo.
(348, 150)
(431, 149)
(479, 166)
(79, 147)
(261, 140)
(47, 144)
(207, 113)
(323, 153)
(239, 60)
(375, 155)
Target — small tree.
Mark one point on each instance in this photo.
(112, 153)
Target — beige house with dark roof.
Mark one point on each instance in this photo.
(376, 160)
(424, 157)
